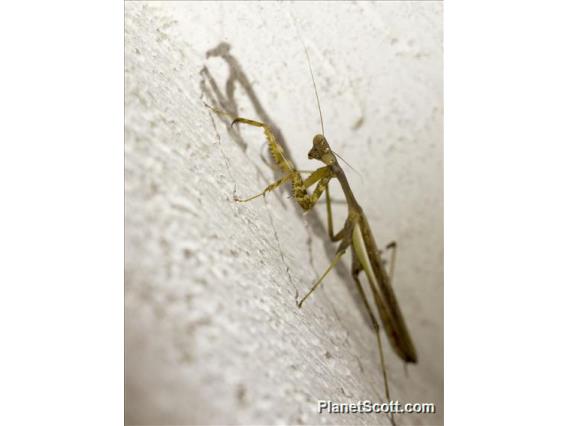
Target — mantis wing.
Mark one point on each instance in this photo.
(387, 305)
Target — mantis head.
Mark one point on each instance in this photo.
(321, 151)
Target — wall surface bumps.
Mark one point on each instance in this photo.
(213, 334)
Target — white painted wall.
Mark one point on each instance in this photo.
(213, 334)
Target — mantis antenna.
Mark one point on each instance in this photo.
(311, 71)
(316, 89)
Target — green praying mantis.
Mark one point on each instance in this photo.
(356, 233)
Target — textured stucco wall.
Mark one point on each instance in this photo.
(213, 334)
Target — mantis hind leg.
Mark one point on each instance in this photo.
(392, 247)
(356, 269)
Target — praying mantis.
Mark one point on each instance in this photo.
(356, 233)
